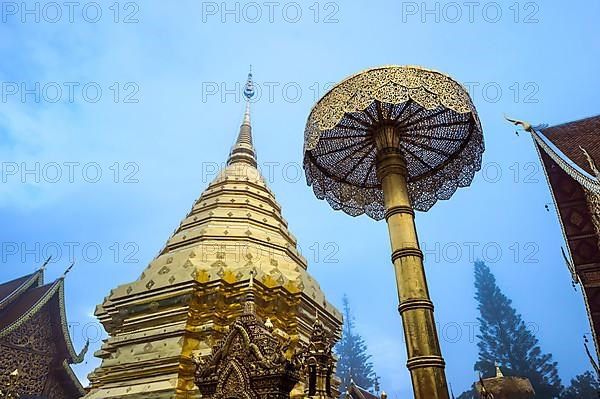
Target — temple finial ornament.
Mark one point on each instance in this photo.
(498, 370)
(43, 267)
(68, 269)
(249, 89)
(528, 127)
(243, 149)
(248, 93)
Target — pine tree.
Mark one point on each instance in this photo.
(353, 360)
(584, 386)
(504, 337)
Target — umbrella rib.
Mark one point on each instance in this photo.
(363, 146)
(364, 183)
(445, 124)
(401, 123)
(379, 111)
(428, 147)
(406, 104)
(343, 126)
(463, 144)
(427, 117)
(434, 137)
(416, 157)
(363, 124)
(345, 137)
(371, 117)
(342, 149)
(359, 162)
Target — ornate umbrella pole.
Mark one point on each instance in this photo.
(425, 360)
(386, 142)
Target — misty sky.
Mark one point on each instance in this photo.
(115, 116)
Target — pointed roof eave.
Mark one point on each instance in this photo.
(581, 177)
(36, 278)
(73, 378)
(75, 358)
(57, 288)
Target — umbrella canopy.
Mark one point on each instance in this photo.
(438, 133)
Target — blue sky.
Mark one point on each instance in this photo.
(168, 113)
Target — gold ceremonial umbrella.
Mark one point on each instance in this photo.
(385, 142)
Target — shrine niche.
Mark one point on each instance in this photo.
(250, 363)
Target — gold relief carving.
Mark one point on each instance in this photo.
(32, 350)
(164, 270)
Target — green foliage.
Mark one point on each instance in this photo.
(353, 360)
(504, 337)
(584, 386)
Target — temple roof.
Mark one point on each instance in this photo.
(568, 154)
(570, 137)
(356, 392)
(10, 290)
(24, 297)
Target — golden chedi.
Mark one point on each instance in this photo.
(185, 300)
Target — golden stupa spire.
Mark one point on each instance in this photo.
(243, 149)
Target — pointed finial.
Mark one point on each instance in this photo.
(249, 89)
(498, 371)
(243, 149)
(43, 267)
(68, 269)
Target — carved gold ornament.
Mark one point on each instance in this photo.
(440, 137)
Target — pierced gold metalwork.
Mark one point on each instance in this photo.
(439, 136)
(385, 142)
